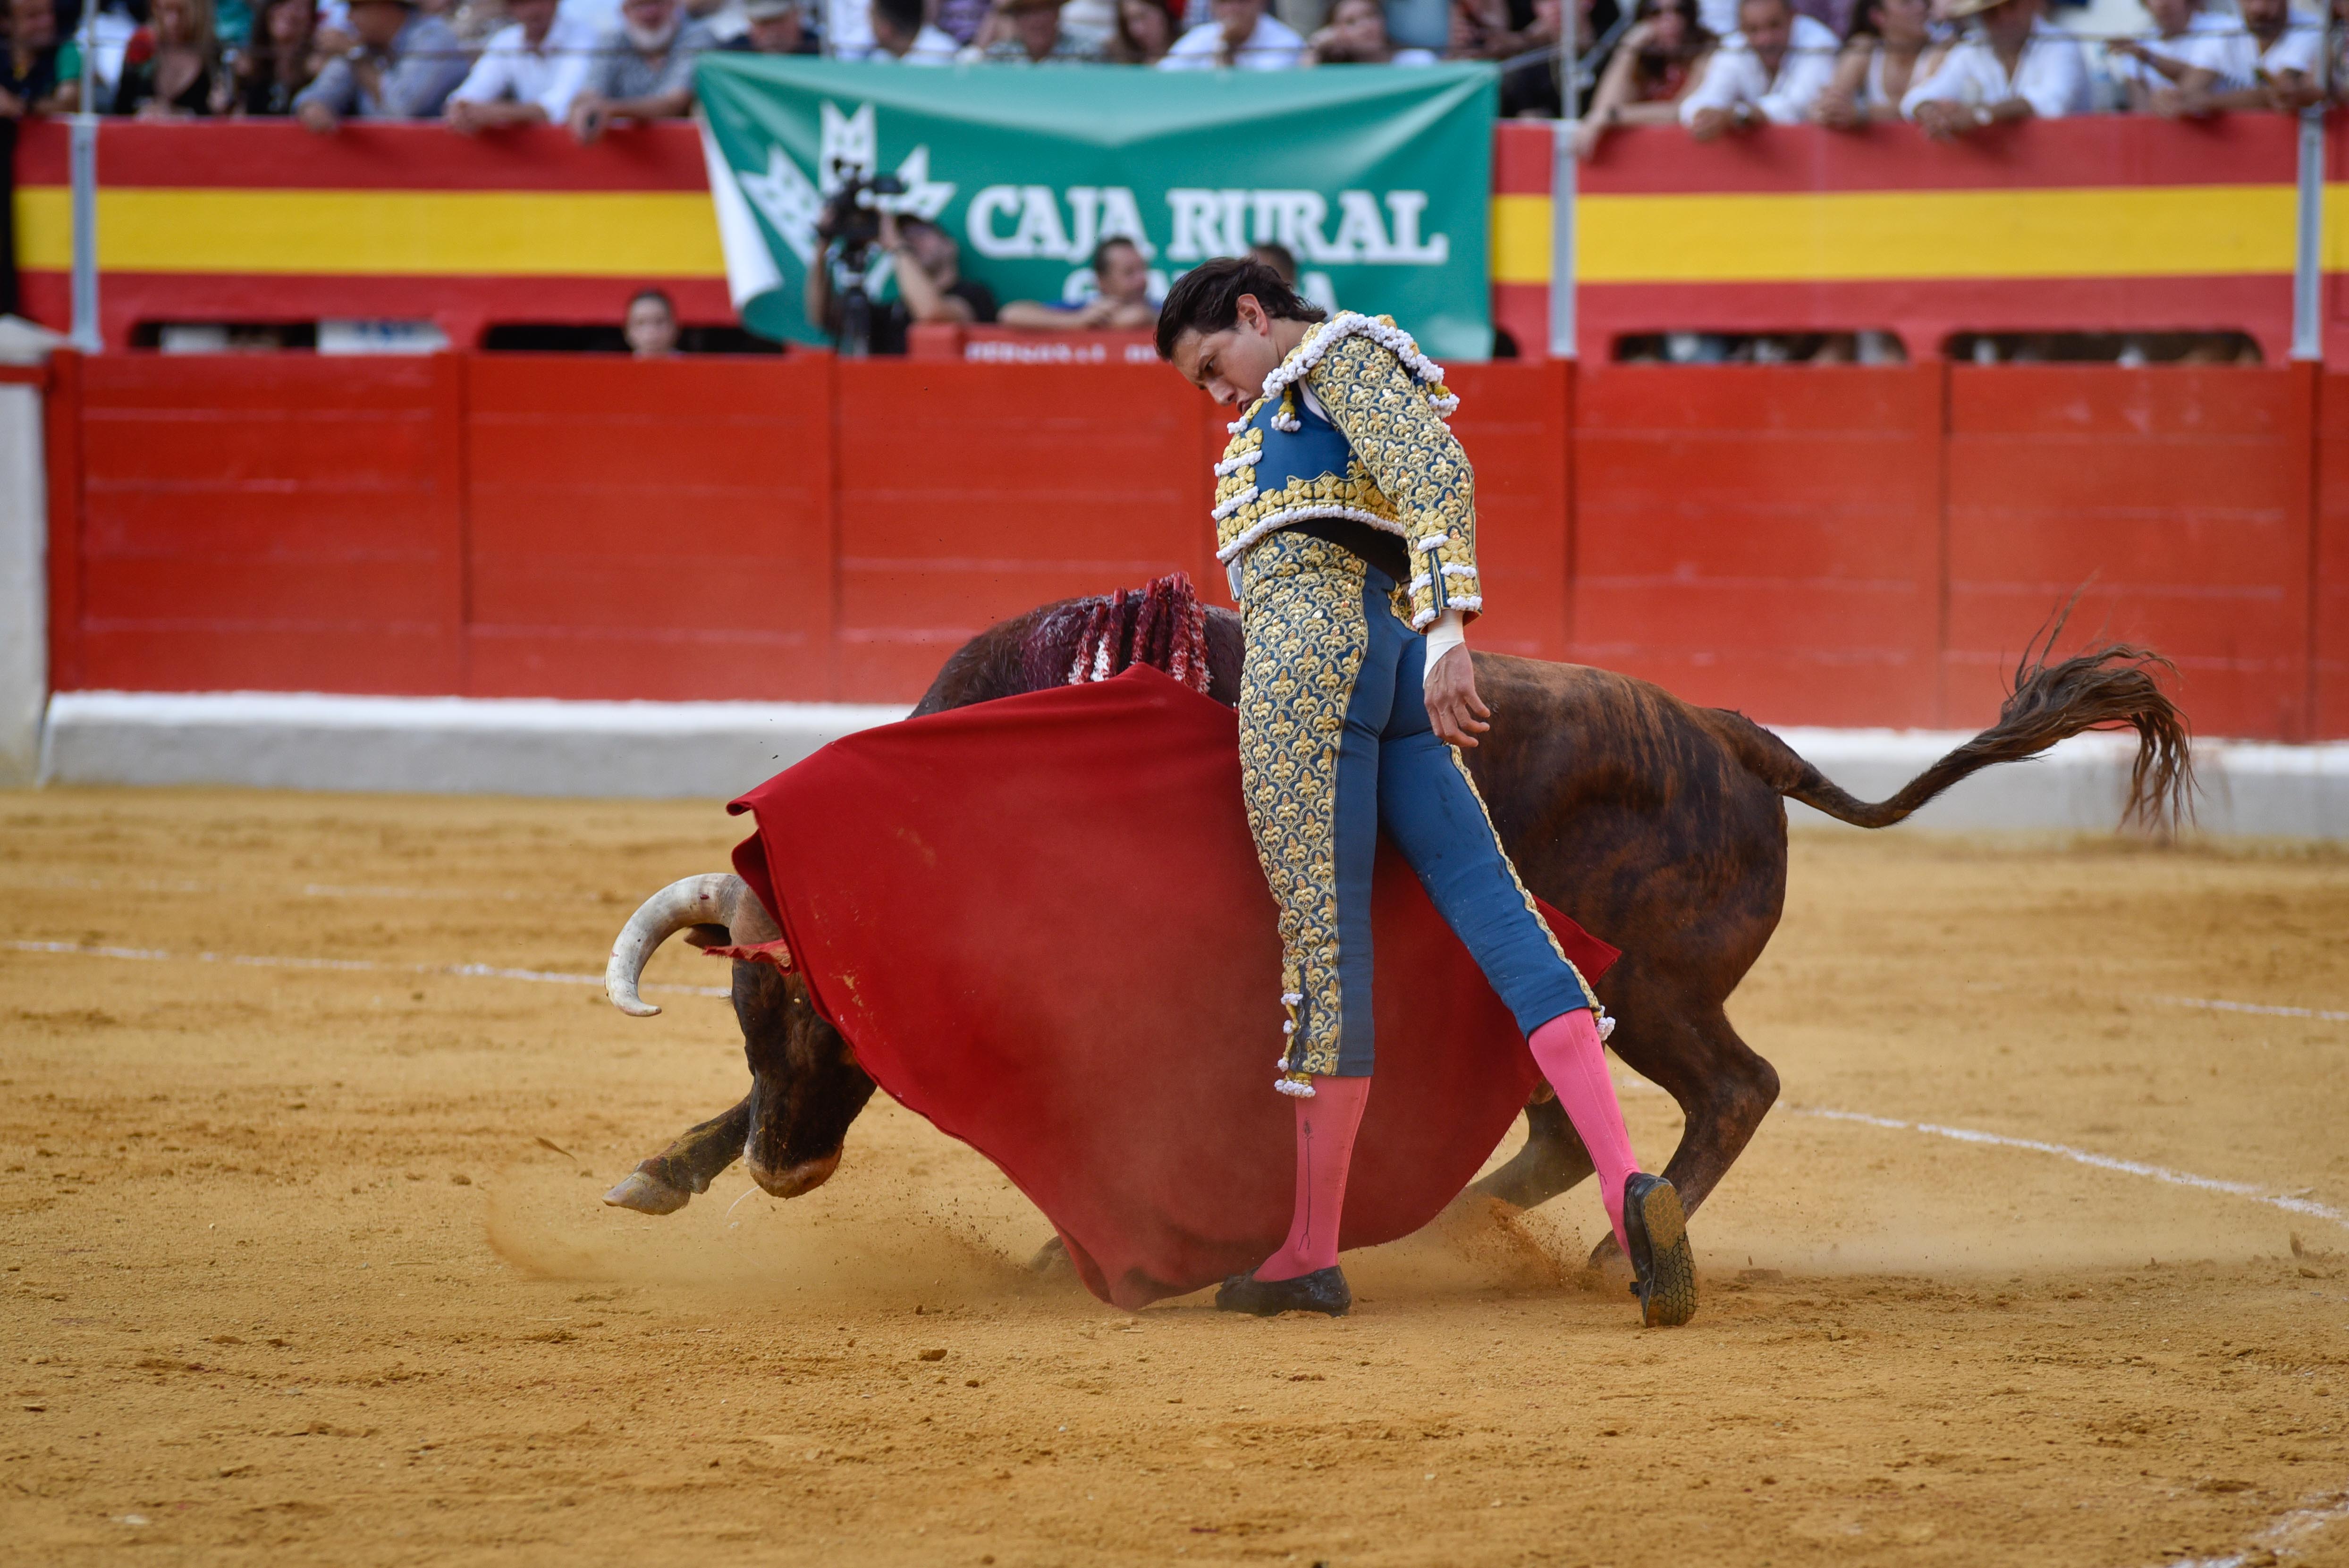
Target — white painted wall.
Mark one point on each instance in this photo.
(24, 584)
(440, 744)
(714, 750)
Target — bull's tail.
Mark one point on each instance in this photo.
(2103, 688)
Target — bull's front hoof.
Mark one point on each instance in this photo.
(792, 1181)
(1052, 1262)
(647, 1196)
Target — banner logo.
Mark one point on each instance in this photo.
(1376, 180)
(847, 146)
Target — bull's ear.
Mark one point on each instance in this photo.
(708, 937)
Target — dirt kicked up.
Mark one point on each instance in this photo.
(304, 1255)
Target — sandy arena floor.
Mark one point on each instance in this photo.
(309, 1261)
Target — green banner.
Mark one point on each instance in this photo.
(1377, 178)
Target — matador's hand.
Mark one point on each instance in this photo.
(1458, 714)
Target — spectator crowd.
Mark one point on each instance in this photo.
(1717, 68)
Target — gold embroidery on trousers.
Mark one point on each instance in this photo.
(1305, 639)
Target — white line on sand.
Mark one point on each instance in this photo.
(2283, 1539)
(312, 890)
(2210, 1005)
(542, 977)
(462, 971)
(2086, 1157)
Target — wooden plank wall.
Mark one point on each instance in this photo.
(1842, 546)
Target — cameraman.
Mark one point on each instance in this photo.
(930, 285)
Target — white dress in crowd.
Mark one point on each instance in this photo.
(549, 75)
(2052, 76)
(2212, 42)
(1273, 46)
(1873, 93)
(1735, 76)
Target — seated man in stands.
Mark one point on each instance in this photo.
(404, 66)
(901, 33)
(1770, 71)
(776, 27)
(642, 69)
(2283, 73)
(1239, 35)
(1121, 301)
(2012, 66)
(2188, 48)
(1028, 32)
(528, 73)
(926, 266)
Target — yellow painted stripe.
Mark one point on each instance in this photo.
(1521, 239)
(2147, 232)
(2156, 232)
(532, 233)
(2334, 256)
(44, 228)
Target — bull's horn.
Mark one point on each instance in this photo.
(707, 899)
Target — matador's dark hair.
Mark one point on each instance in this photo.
(1208, 299)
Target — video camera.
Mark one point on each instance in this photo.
(850, 217)
(853, 222)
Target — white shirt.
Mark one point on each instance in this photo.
(1273, 46)
(932, 45)
(548, 75)
(2052, 76)
(848, 29)
(596, 15)
(1735, 76)
(2215, 43)
(2297, 50)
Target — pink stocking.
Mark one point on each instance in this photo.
(1567, 1051)
(1325, 1148)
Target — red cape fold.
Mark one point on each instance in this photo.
(1040, 924)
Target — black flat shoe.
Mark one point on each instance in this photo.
(1663, 1270)
(1323, 1290)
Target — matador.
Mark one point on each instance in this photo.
(1345, 516)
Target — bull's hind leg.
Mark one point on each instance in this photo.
(1688, 1049)
(667, 1182)
(1552, 1159)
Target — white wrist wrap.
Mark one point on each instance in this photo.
(1449, 632)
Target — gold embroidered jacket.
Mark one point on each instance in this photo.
(1383, 456)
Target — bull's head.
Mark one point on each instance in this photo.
(806, 1086)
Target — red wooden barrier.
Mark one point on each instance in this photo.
(657, 531)
(970, 492)
(2179, 496)
(2328, 698)
(1825, 546)
(273, 523)
(1764, 536)
(1514, 421)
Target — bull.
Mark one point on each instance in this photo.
(1658, 824)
